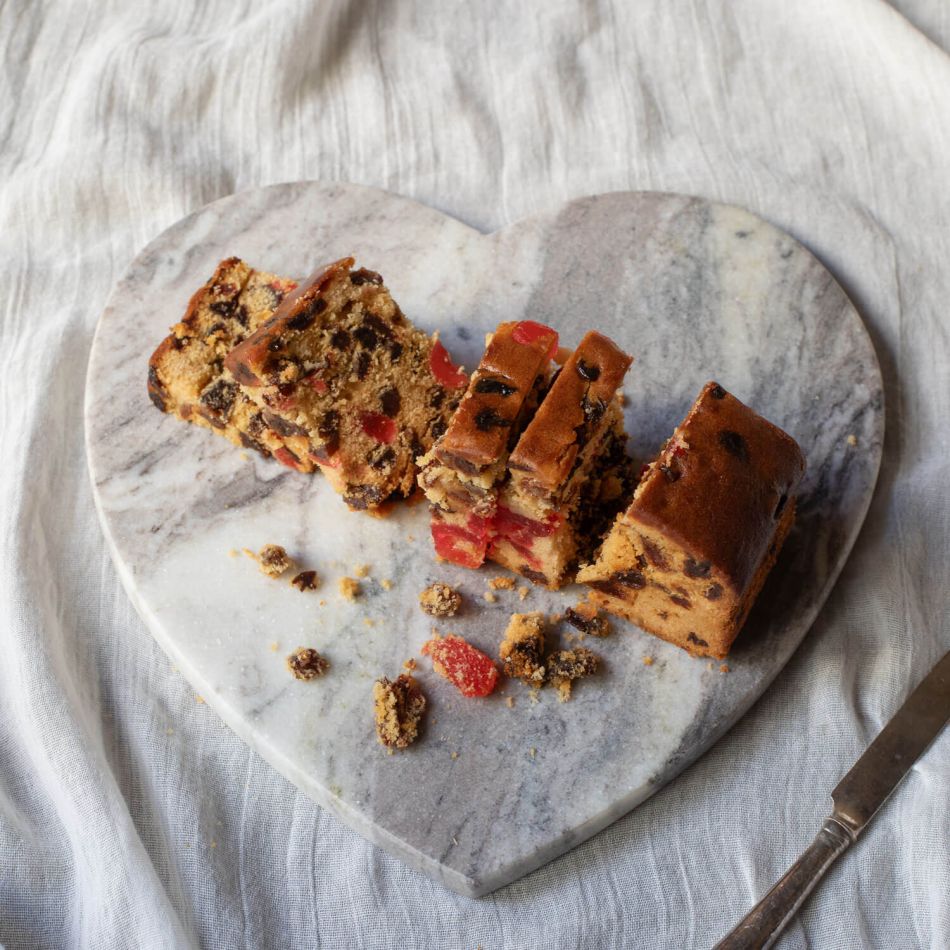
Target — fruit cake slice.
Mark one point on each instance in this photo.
(186, 374)
(568, 457)
(687, 559)
(461, 475)
(347, 381)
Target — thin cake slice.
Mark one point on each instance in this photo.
(461, 475)
(569, 471)
(186, 373)
(341, 374)
(689, 556)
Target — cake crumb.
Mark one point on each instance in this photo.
(234, 552)
(306, 580)
(199, 700)
(724, 668)
(214, 844)
(169, 731)
(273, 560)
(440, 600)
(274, 647)
(532, 752)
(306, 664)
(648, 661)
(367, 622)
(510, 702)
(588, 619)
(522, 648)
(490, 597)
(502, 583)
(565, 666)
(386, 584)
(454, 755)
(349, 588)
(323, 603)
(852, 440)
(410, 664)
(398, 707)
(523, 593)
(361, 570)
(410, 538)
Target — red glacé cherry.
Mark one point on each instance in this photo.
(463, 546)
(527, 332)
(443, 369)
(378, 427)
(468, 669)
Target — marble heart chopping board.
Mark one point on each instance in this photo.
(693, 290)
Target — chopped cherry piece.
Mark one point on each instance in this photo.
(524, 530)
(287, 457)
(527, 332)
(443, 369)
(318, 385)
(464, 546)
(469, 670)
(378, 427)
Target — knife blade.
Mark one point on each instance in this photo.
(856, 799)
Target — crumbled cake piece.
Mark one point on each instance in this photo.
(306, 580)
(344, 377)
(306, 664)
(648, 661)
(523, 593)
(361, 570)
(464, 666)
(502, 583)
(440, 600)
(569, 470)
(489, 597)
(399, 705)
(461, 474)
(386, 584)
(588, 619)
(688, 557)
(186, 373)
(522, 649)
(409, 664)
(273, 560)
(565, 666)
(349, 588)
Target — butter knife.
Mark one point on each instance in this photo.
(858, 796)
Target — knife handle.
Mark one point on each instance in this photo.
(763, 924)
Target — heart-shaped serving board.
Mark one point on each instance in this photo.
(694, 290)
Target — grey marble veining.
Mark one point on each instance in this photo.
(693, 290)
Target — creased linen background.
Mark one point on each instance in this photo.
(129, 815)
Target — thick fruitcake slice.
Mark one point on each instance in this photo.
(461, 475)
(568, 471)
(186, 374)
(687, 559)
(347, 381)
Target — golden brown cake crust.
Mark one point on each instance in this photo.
(478, 433)
(250, 360)
(572, 407)
(720, 486)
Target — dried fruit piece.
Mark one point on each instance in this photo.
(565, 666)
(398, 707)
(443, 369)
(464, 546)
(588, 619)
(465, 667)
(440, 600)
(306, 664)
(306, 580)
(378, 426)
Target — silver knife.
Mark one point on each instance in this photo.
(858, 796)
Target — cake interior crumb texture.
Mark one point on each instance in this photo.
(398, 706)
(690, 554)
(306, 663)
(349, 383)
(273, 560)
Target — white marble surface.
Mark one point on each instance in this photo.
(695, 291)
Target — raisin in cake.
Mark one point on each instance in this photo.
(340, 373)
(687, 559)
(186, 373)
(563, 470)
(462, 473)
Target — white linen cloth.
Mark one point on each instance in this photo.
(129, 815)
